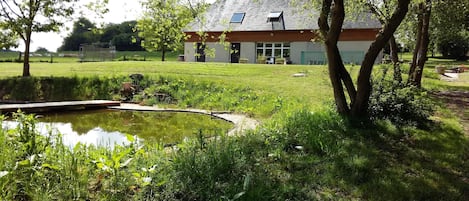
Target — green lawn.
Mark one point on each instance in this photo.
(270, 79)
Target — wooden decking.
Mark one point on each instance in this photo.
(56, 106)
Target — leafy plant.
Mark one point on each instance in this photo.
(399, 103)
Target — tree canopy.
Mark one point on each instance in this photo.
(86, 32)
(161, 26)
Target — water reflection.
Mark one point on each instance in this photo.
(108, 127)
(96, 136)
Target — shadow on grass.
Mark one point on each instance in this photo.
(407, 164)
(385, 162)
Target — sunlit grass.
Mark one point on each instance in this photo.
(271, 79)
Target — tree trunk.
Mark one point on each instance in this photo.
(163, 53)
(416, 76)
(27, 44)
(394, 50)
(395, 59)
(413, 64)
(360, 107)
(335, 65)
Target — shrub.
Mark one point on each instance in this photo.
(399, 103)
(455, 47)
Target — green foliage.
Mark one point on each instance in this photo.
(83, 32)
(313, 132)
(25, 17)
(59, 88)
(206, 95)
(7, 38)
(27, 159)
(86, 32)
(302, 156)
(399, 103)
(218, 165)
(450, 30)
(162, 24)
(455, 47)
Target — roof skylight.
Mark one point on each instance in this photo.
(237, 18)
(274, 16)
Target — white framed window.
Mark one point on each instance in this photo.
(277, 50)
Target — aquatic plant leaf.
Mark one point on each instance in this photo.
(24, 162)
(52, 167)
(126, 163)
(237, 196)
(3, 173)
(130, 138)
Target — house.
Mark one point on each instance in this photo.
(270, 31)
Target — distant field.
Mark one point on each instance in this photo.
(71, 57)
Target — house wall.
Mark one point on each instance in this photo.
(189, 51)
(215, 52)
(347, 46)
(220, 54)
(297, 47)
(248, 51)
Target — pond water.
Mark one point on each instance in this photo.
(109, 127)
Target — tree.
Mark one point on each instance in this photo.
(421, 45)
(162, 24)
(42, 50)
(123, 36)
(448, 22)
(330, 23)
(25, 17)
(382, 12)
(83, 32)
(450, 28)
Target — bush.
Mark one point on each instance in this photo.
(455, 47)
(399, 103)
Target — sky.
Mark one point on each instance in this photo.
(119, 11)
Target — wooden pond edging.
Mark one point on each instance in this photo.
(57, 106)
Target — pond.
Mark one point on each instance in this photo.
(109, 127)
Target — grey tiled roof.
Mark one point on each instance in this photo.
(217, 17)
